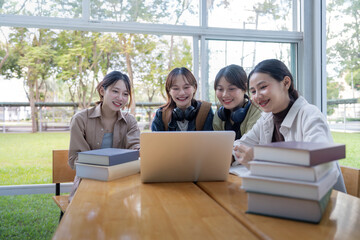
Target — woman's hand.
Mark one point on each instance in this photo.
(243, 154)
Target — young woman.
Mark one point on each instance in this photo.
(236, 113)
(104, 125)
(287, 116)
(182, 112)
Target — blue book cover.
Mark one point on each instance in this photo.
(108, 156)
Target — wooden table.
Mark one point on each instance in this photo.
(127, 209)
(340, 221)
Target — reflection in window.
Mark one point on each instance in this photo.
(252, 14)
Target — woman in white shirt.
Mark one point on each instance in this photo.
(286, 115)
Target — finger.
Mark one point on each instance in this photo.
(240, 159)
(242, 148)
(238, 154)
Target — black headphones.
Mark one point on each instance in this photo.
(189, 113)
(237, 116)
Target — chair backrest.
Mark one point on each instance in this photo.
(61, 170)
(352, 180)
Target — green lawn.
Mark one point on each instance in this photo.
(352, 142)
(28, 217)
(25, 158)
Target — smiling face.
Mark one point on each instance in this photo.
(229, 95)
(116, 96)
(182, 92)
(270, 94)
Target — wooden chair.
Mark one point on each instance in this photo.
(62, 173)
(352, 180)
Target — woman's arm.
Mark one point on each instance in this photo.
(315, 127)
(208, 125)
(157, 124)
(78, 141)
(253, 114)
(133, 134)
(218, 124)
(243, 148)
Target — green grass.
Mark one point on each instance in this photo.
(28, 217)
(352, 142)
(26, 158)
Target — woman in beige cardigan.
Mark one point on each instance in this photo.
(105, 125)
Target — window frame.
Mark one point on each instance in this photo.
(309, 52)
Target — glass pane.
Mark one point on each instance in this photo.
(245, 54)
(44, 8)
(181, 12)
(343, 76)
(253, 14)
(66, 67)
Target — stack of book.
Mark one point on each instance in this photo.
(292, 180)
(107, 164)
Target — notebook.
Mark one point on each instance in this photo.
(185, 156)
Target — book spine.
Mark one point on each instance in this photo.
(123, 170)
(327, 155)
(324, 201)
(285, 207)
(123, 158)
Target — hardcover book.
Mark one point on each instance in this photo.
(291, 188)
(107, 173)
(294, 172)
(299, 153)
(108, 156)
(286, 207)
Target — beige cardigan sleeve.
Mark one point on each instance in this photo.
(78, 142)
(133, 133)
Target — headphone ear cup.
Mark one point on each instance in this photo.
(190, 113)
(239, 115)
(221, 113)
(178, 114)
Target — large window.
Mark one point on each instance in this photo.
(245, 26)
(68, 45)
(249, 30)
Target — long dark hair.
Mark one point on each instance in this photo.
(112, 78)
(277, 70)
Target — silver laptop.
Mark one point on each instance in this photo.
(185, 156)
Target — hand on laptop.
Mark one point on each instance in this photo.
(243, 154)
